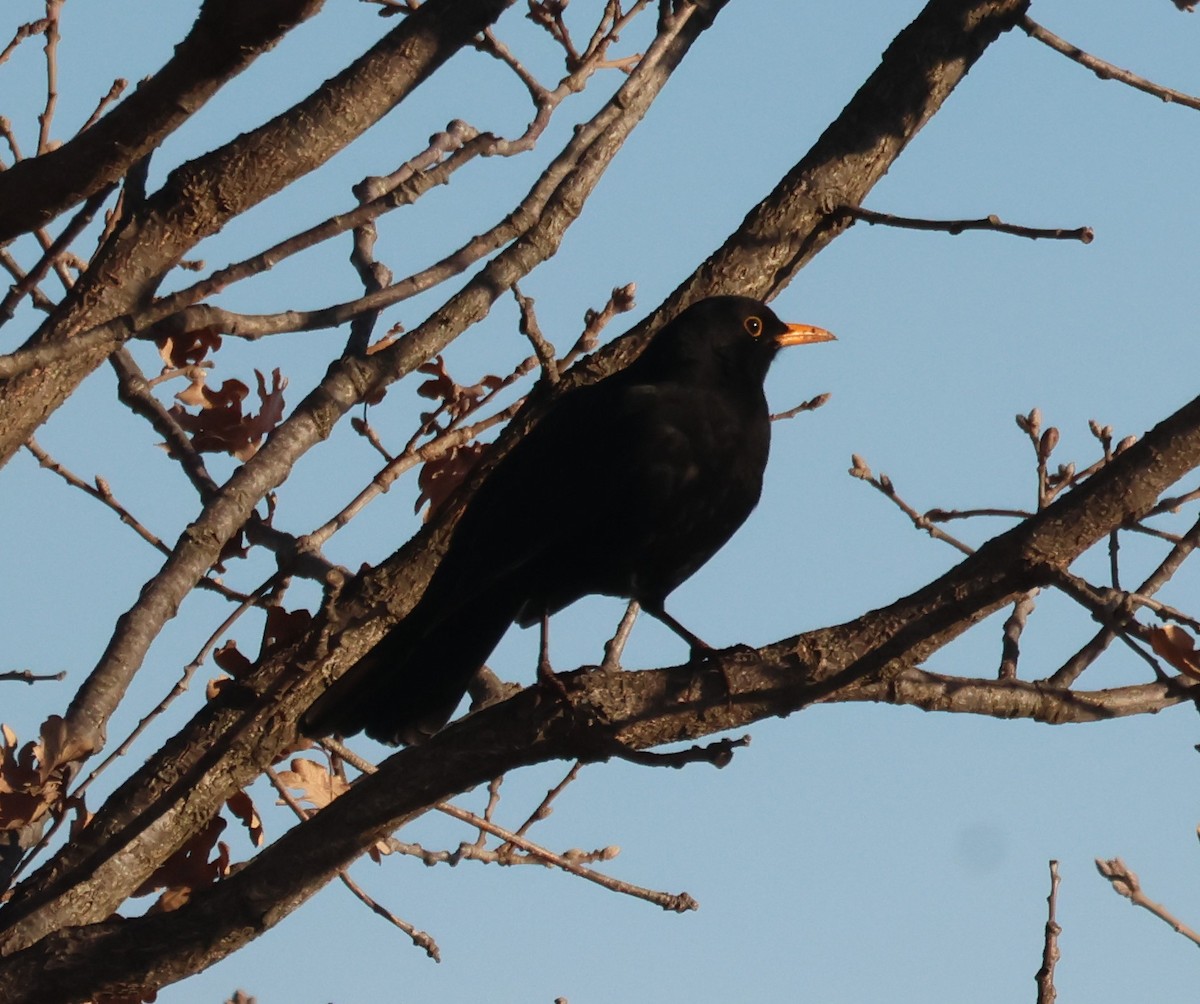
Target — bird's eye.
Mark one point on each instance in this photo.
(753, 326)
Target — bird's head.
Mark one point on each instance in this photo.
(724, 338)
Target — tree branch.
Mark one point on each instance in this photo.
(198, 763)
(200, 197)
(225, 39)
(870, 657)
(1103, 70)
(955, 227)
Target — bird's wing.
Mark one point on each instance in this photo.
(571, 510)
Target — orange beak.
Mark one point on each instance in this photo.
(804, 334)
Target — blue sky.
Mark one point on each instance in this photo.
(850, 854)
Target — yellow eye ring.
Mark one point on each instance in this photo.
(753, 326)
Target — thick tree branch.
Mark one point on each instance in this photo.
(217, 753)
(203, 195)
(871, 657)
(227, 36)
(200, 763)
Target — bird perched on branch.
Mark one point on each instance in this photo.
(625, 487)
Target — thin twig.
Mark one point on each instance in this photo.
(102, 492)
(37, 298)
(954, 227)
(133, 391)
(812, 404)
(1010, 642)
(1125, 883)
(719, 754)
(1070, 671)
(181, 685)
(860, 470)
(421, 939)
(678, 903)
(545, 805)
(528, 326)
(407, 460)
(53, 254)
(946, 515)
(30, 677)
(374, 276)
(114, 92)
(615, 646)
(1104, 70)
(23, 32)
(51, 33)
(1050, 953)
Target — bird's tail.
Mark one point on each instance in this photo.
(406, 688)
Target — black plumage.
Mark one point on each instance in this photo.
(625, 487)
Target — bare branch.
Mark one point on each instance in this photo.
(883, 484)
(30, 677)
(719, 754)
(1103, 70)
(51, 33)
(420, 938)
(52, 254)
(1047, 994)
(216, 187)
(529, 328)
(1125, 883)
(1011, 638)
(991, 222)
(227, 36)
(812, 404)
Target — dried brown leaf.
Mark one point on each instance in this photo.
(270, 414)
(441, 386)
(223, 426)
(60, 746)
(439, 477)
(316, 784)
(242, 806)
(189, 347)
(283, 627)
(193, 394)
(189, 868)
(235, 547)
(232, 661)
(80, 818)
(1178, 647)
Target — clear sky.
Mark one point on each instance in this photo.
(850, 854)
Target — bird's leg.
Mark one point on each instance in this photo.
(698, 647)
(545, 672)
(616, 644)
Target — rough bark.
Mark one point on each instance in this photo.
(203, 195)
(226, 746)
(863, 659)
(225, 39)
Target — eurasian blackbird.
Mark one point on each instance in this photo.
(625, 487)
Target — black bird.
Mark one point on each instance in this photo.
(626, 487)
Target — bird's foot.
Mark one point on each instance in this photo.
(722, 665)
(548, 680)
